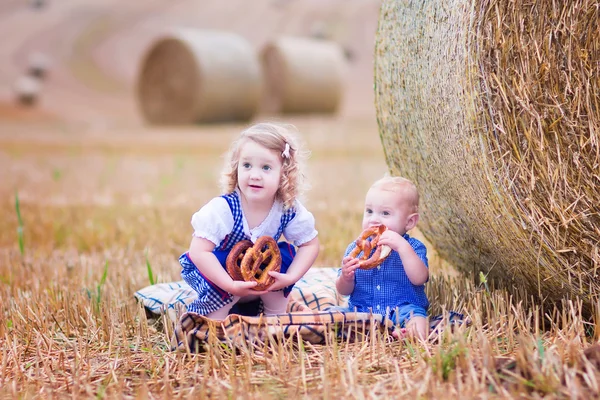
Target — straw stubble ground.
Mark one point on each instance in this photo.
(96, 211)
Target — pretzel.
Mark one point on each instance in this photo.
(373, 253)
(252, 263)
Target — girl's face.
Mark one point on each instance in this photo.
(385, 207)
(259, 172)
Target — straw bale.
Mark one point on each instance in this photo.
(493, 109)
(302, 75)
(320, 31)
(38, 65)
(27, 90)
(192, 76)
(38, 3)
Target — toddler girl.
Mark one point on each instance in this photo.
(261, 181)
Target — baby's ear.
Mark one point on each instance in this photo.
(412, 221)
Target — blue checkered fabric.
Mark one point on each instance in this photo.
(380, 290)
(210, 296)
(285, 219)
(237, 234)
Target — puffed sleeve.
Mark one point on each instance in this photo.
(213, 221)
(301, 229)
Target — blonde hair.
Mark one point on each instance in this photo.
(273, 137)
(402, 186)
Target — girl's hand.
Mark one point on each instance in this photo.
(392, 239)
(349, 265)
(243, 289)
(281, 281)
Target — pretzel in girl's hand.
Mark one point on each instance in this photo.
(367, 243)
(252, 263)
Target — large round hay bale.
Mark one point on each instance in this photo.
(192, 76)
(302, 75)
(27, 90)
(493, 109)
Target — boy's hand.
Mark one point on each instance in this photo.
(349, 265)
(281, 281)
(392, 239)
(243, 289)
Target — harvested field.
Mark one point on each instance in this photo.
(96, 205)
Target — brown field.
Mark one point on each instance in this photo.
(100, 191)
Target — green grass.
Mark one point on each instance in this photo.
(20, 225)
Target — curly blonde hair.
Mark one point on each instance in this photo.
(273, 137)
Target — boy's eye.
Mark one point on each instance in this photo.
(368, 211)
(266, 167)
(386, 213)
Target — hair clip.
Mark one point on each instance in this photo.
(286, 152)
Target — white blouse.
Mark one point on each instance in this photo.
(214, 221)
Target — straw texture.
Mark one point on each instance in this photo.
(302, 75)
(190, 76)
(493, 109)
(27, 90)
(38, 65)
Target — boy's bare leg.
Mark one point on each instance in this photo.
(418, 327)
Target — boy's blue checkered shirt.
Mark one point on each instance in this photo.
(387, 286)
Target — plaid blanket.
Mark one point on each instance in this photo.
(315, 291)
(307, 316)
(195, 330)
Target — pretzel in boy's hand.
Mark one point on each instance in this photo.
(373, 253)
(252, 263)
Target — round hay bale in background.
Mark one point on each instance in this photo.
(192, 76)
(493, 109)
(302, 75)
(38, 65)
(320, 31)
(27, 90)
(38, 3)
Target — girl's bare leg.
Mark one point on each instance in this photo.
(222, 312)
(274, 303)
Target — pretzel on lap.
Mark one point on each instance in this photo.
(252, 263)
(367, 243)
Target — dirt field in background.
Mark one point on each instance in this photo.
(96, 47)
(85, 142)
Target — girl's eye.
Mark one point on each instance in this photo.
(368, 211)
(246, 165)
(386, 213)
(266, 167)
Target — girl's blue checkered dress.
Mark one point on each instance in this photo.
(210, 296)
(386, 287)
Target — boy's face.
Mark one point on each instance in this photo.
(389, 208)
